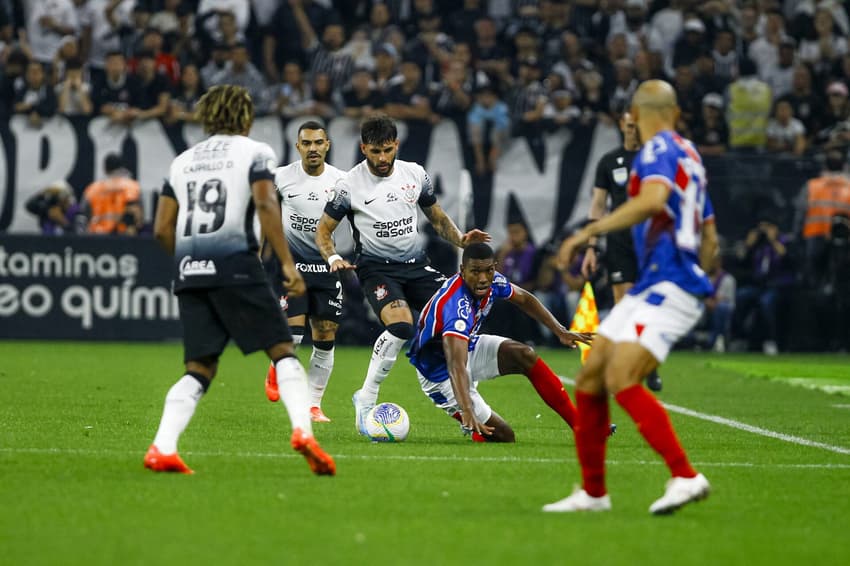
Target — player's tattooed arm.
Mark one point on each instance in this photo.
(447, 229)
(325, 243)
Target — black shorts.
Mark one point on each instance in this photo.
(247, 313)
(323, 299)
(384, 283)
(620, 259)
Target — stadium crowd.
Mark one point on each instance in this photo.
(752, 77)
(759, 75)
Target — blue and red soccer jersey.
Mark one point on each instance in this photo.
(667, 244)
(452, 311)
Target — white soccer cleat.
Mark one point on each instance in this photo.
(361, 409)
(579, 501)
(679, 492)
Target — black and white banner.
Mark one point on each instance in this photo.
(548, 177)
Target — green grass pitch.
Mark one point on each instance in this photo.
(76, 419)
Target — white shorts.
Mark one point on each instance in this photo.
(655, 318)
(483, 364)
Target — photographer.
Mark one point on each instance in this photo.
(766, 273)
(56, 209)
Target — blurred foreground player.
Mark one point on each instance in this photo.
(612, 174)
(675, 235)
(205, 218)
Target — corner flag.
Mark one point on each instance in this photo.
(586, 318)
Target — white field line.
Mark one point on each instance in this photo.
(385, 455)
(746, 427)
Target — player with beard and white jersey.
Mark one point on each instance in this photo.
(205, 218)
(303, 187)
(381, 197)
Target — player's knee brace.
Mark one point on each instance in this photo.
(402, 330)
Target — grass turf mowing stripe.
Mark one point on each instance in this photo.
(744, 426)
(418, 458)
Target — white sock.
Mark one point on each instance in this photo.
(321, 366)
(180, 403)
(297, 339)
(292, 384)
(384, 354)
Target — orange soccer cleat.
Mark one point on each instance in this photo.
(320, 461)
(271, 384)
(159, 462)
(317, 416)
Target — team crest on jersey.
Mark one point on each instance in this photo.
(409, 193)
(621, 175)
(391, 197)
(381, 292)
(313, 196)
(284, 303)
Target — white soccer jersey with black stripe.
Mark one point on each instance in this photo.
(217, 234)
(384, 210)
(303, 199)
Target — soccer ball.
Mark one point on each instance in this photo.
(387, 422)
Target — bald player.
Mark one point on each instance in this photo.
(675, 238)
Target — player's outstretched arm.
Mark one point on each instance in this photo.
(268, 212)
(530, 305)
(325, 243)
(650, 201)
(165, 221)
(457, 356)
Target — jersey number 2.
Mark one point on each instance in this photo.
(212, 199)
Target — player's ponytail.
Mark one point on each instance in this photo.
(226, 109)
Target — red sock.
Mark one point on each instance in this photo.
(654, 424)
(591, 434)
(551, 390)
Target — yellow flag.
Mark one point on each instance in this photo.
(586, 318)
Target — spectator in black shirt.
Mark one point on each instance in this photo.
(186, 95)
(462, 21)
(361, 99)
(808, 107)
(152, 93)
(711, 134)
(408, 100)
(688, 96)
(34, 97)
(690, 44)
(112, 97)
(490, 57)
(12, 74)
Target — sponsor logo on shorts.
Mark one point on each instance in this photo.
(311, 267)
(617, 277)
(381, 292)
(190, 267)
(284, 303)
